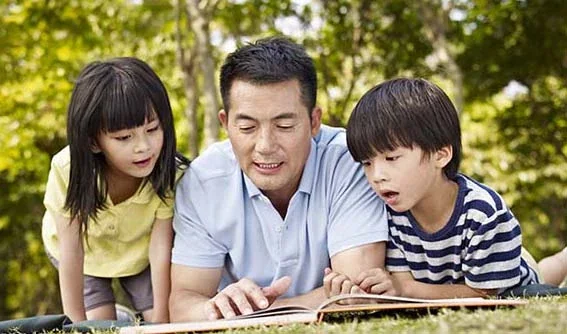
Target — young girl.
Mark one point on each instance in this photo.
(109, 193)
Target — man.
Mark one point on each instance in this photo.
(259, 217)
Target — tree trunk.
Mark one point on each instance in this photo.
(199, 13)
(434, 19)
(187, 60)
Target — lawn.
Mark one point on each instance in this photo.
(541, 315)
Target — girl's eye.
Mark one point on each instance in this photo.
(122, 138)
(155, 128)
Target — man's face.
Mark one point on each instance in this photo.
(270, 131)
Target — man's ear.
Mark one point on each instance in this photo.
(315, 120)
(443, 156)
(223, 118)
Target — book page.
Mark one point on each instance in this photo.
(372, 298)
(279, 310)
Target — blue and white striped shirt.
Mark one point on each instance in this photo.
(480, 246)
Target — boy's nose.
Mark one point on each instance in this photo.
(379, 175)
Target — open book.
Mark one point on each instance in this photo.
(334, 305)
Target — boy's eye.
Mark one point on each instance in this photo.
(392, 158)
(365, 163)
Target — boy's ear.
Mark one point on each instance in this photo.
(443, 156)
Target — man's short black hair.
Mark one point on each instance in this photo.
(267, 61)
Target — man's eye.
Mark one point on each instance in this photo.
(246, 128)
(285, 127)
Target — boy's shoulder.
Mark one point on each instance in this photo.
(478, 195)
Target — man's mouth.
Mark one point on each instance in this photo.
(268, 165)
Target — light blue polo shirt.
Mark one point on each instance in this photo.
(223, 220)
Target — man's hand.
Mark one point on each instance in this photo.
(244, 297)
(376, 281)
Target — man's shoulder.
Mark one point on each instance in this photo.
(331, 137)
(217, 161)
(332, 149)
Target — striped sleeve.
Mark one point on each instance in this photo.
(395, 258)
(493, 255)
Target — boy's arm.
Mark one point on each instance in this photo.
(160, 265)
(71, 267)
(409, 287)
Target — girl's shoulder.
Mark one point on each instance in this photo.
(61, 159)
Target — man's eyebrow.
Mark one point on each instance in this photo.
(287, 115)
(240, 116)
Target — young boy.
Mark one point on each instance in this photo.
(449, 235)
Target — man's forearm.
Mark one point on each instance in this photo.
(187, 306)
(311, 299)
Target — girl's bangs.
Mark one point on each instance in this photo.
(125, 106)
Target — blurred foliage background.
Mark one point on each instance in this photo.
(503, 62)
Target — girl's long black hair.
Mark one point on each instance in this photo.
(119, 93)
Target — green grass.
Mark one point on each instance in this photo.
(541, 315)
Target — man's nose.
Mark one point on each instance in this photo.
(265, 142)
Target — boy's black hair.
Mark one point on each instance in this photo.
(407, 113)
(267, 61)
(119, 93)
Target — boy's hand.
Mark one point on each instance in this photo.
(336, 284)
(376, 281)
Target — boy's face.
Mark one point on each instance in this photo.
(405, 177)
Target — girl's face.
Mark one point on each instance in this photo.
(132, 152)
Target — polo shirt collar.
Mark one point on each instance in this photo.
(143, 195)
(307, 177)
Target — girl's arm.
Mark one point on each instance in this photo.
(71, 267)
(160, 264)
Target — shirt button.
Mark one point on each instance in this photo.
(278, 229)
